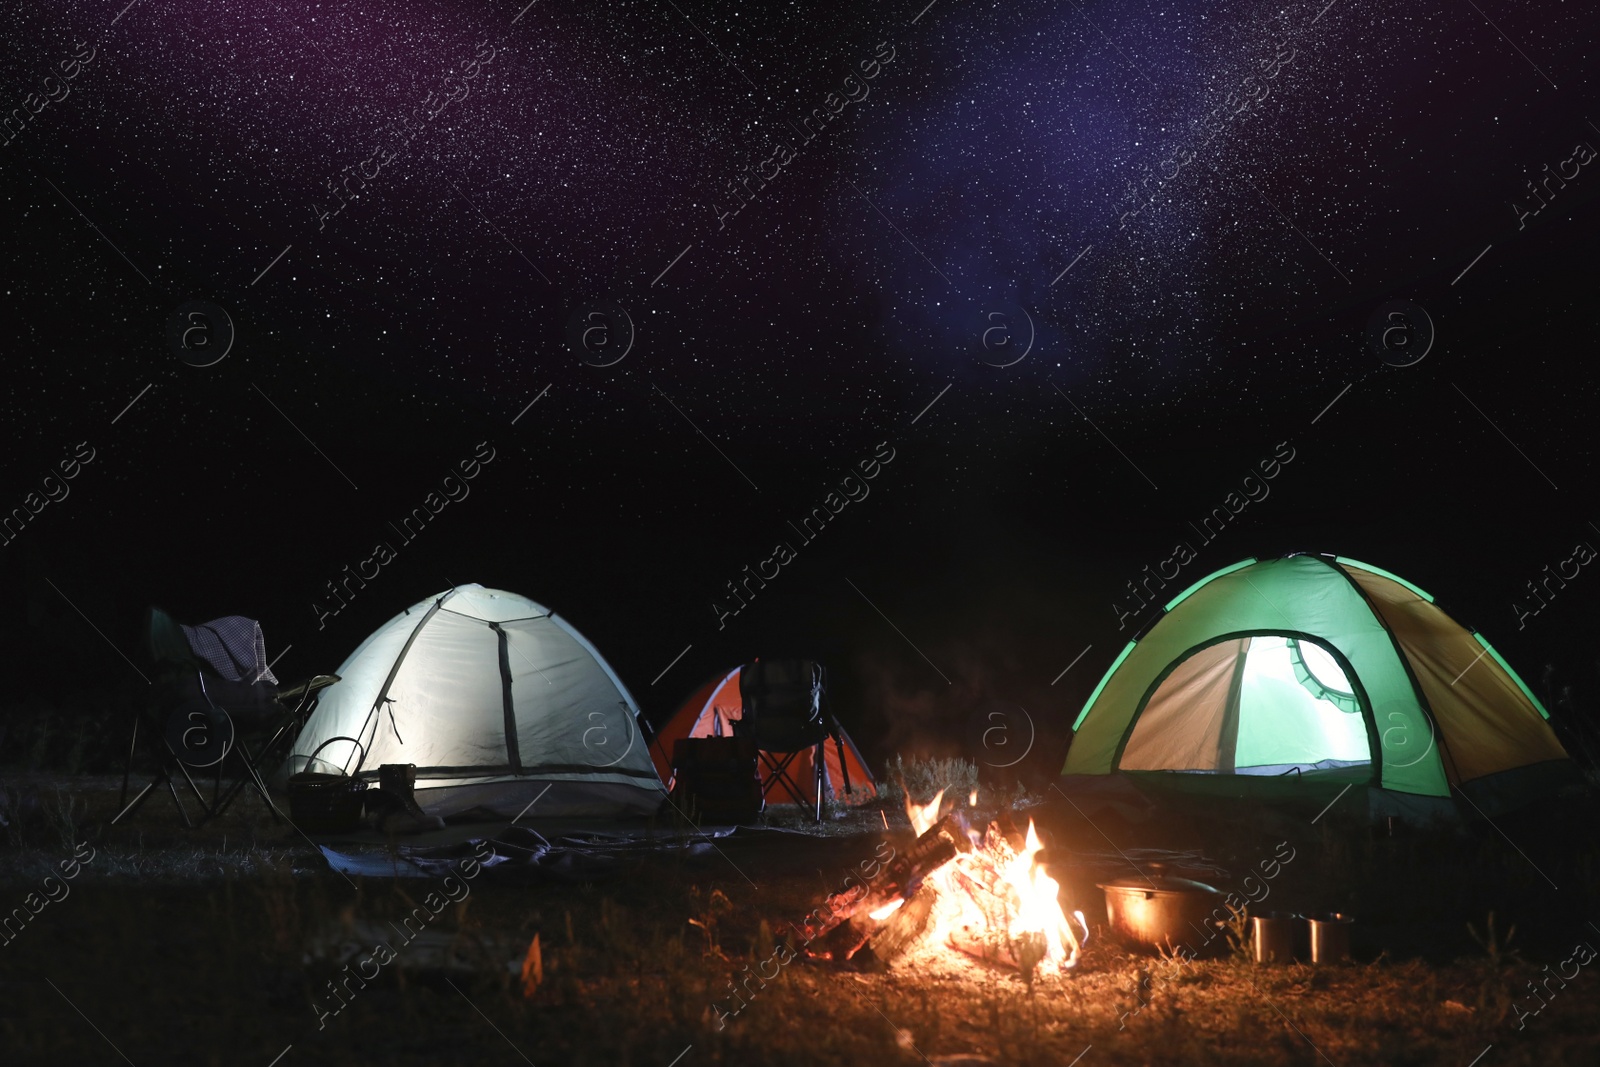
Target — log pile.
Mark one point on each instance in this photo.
(973, 902)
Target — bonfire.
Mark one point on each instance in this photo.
(982, 893)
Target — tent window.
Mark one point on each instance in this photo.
(1264, 704)
(1317, 670)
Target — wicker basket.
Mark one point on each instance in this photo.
(321, 802)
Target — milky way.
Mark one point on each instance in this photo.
(681, 263)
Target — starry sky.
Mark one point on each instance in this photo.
(689, 268)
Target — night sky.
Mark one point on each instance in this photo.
(1029, 289)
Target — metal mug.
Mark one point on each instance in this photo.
(1330, 937)
(1272, 936)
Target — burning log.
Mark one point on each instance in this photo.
(904, 927)
(935, 847)
(1022, 953)
(845, 921)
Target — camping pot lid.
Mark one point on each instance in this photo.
(1159, 883)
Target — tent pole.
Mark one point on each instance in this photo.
(377, 704)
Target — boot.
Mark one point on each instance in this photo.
(397, 810)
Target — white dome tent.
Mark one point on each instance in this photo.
(497, 701)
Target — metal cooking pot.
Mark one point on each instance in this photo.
(1165, 911)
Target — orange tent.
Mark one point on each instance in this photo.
(710, 712)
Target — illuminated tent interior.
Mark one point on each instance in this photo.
(1251, 705)
(1305, 675)
(500, 704)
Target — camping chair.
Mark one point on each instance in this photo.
(783, 714)
(211, 681)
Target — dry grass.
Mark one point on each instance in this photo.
(197, 948)
(923, 777)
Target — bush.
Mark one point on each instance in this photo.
(925, 777)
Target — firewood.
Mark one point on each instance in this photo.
(943, 839)
(901, 930)
(995, 946)
(900, 879)
(986, 944)
(844, 940)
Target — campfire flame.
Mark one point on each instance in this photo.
(923, 816)
(995, 902)
(888, 909)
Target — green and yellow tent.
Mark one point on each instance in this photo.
(1303, 675)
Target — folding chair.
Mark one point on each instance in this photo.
(783, 714)
(211, 685)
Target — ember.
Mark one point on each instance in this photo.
(974, 892)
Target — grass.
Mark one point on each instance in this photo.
(922, 778)
(214, 946)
